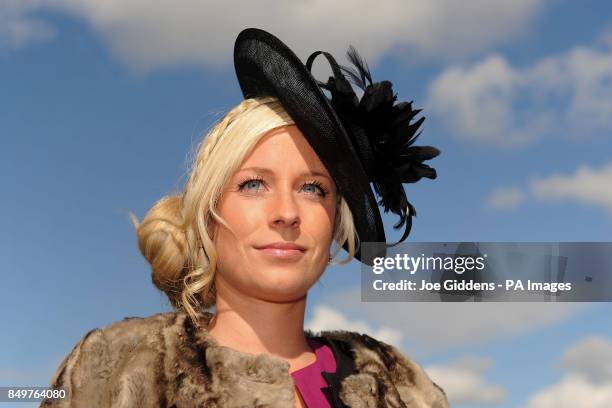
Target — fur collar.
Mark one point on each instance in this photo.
(163, 360)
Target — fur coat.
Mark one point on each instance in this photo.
(164, 361)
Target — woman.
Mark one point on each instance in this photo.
(276, 181)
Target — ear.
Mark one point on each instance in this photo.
(212, 225)
(213, 228)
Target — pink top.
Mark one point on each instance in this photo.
(309, 380)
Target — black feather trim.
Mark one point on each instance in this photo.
(384, 133)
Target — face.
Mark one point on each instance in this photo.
(281, 206)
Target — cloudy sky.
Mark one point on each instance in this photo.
(103, 101)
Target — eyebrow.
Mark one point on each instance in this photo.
(264, 170)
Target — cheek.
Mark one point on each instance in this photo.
(321, 225)
(241, 216)
(230, 244)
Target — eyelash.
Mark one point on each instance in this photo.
(322, 190)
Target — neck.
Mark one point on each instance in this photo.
(258, 326)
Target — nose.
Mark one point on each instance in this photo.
(285, 210)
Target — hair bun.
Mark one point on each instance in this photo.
(162, 241)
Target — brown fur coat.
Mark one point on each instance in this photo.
(163, 361)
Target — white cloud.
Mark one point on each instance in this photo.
(496, 103)
(148, 35)
(506, 198)
(464, 382)
(587, 381)
(326, 318)
(571, 392)
(586, 185)
(17, 29)
(432, 327)
(477, 101)
(591, 358)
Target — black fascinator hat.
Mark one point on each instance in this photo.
(360, 141)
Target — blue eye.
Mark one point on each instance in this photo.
(253, 184)
(311, 188)
(250, 184)
(315, 188)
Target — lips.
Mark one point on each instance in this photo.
(282, 250)
(282, 246)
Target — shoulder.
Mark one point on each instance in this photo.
(121, 337)
(124, 336)
(382, 360)
(130, 330)
(104, 354)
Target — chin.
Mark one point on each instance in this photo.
(281, 292)
(285, 282)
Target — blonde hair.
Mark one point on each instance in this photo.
(175, 235)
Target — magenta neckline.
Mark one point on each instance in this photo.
(324, 360)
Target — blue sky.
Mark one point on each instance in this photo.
(102, 103)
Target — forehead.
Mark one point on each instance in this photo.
(285, 147)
